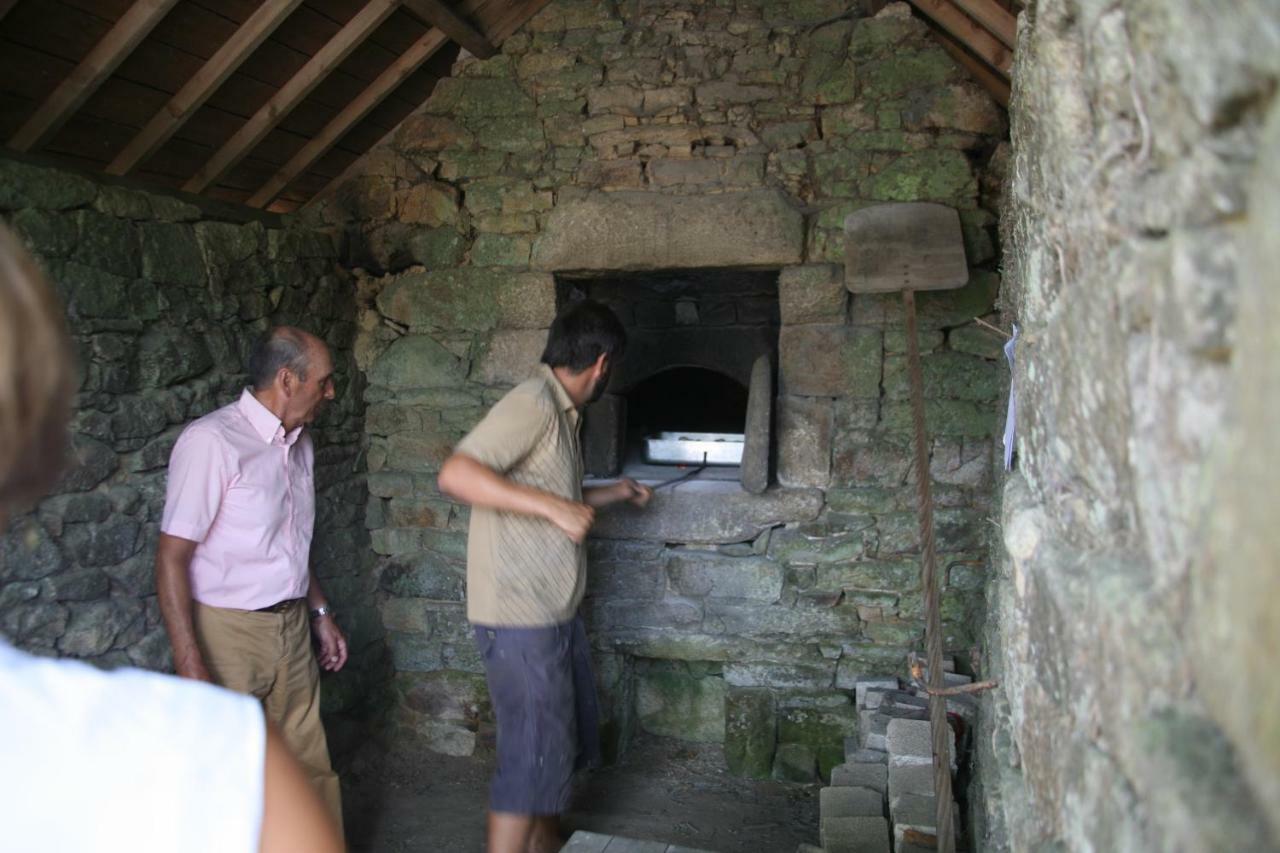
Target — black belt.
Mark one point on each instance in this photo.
(280, 606)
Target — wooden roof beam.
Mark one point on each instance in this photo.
(967, 31)
(514, 19)
(164, 124)
(994, 17)
(91, 73)
(996, 86)
(435, 13)
(292, 93)
(405, 64)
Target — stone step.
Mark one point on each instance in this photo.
(850, 802)
(594, 842)
(861, 775)
(853, 753)
(855, 835)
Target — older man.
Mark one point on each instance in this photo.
(232, 571)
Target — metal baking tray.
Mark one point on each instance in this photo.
(715, 448)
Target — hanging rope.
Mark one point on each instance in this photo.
(939, 728)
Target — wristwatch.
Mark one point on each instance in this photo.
(322, 610)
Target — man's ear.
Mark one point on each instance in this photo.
(602, 363)
(286, 382)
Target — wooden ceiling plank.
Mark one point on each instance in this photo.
(967, 31)
(995, 85)
(405, 65)
(292, 93)
(515, 18)
(246, 39)
(84, 80)
(5, 6)
(991, 15)
(439, 15)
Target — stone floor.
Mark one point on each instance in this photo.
(663, 790)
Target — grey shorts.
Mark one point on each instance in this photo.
(544, 697)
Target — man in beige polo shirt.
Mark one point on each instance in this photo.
(520, 469)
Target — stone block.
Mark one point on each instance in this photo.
(910, 742)
(750, 736)
(511, 357)
(794, 762)
(640, 230)
(855, 835)
(674, 701)
(916, 811)
(677, 172)
(849, 801)
(708, 516)
(813, 293)
(830, 361)
(805, 436)
(703, 573)
(416, 361)
(863, 685)
(861, 775)
(910, 779)
(470, 298)
(823, 729)
(758, 447)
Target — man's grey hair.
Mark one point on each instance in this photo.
(281, 346)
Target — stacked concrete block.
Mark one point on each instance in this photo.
(855, 835)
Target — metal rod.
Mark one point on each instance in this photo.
(939, 728)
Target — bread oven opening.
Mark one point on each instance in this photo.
(683, 393)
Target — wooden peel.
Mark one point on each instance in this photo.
(909, 247)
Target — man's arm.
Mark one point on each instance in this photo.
(474, 483)
(625, 489)
(333, 643)
(173, 589)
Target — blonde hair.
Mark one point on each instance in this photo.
(36, 377)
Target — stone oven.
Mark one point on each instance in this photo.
(694, 338)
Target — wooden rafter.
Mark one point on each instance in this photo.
(968, 32)
(435, 13)
(996, 86)
(515, 17)
(92, 71)
(292, 93)
(244, 41)
(994, 17)
(407, 63)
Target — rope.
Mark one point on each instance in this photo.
(940, 730)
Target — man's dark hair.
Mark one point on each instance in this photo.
(580, 333)
(281, 346)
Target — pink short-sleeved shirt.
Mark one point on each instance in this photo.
(244, 489)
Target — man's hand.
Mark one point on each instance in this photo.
(332, 654)
(636, 494)
(192, 666)
(574, 518)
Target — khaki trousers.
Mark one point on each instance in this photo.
(268, 655)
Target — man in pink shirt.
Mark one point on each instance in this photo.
(232, 567)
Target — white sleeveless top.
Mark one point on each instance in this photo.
(125, 761)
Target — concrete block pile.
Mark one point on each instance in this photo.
(882, 797)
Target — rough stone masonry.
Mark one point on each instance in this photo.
(686, 135)
(1133, 609)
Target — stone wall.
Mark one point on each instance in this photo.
(1132, 615)
(164, 299)
(610, 138)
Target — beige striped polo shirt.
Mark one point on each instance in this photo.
(523, 571)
